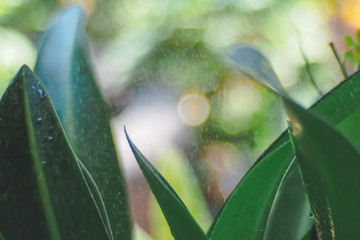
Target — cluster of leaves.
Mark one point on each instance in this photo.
(55, 181)
(57, 184)
(303, 187)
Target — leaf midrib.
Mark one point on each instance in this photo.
(40, 179)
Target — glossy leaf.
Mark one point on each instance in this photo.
(44, 193)
(334, 107)
(289, 217)
(181, 223)
(245, 213)
(64, 67)
(328, 164)
(257, 172)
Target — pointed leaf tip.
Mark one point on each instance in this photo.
(24, 68)
(254, 64)
(182, 225)
(42, 174)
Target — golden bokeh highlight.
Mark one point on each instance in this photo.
(194, 109)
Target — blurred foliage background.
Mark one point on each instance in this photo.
(161, 65)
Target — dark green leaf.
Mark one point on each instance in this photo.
(349, 41)
(1, 236)
(44, 194)
(336, 107)
(329, 165)
(181, 223)
(246, 211)
(63, 65)
(358, 35)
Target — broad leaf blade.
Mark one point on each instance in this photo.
(327, 162)
(44, 193)
(63, 66)
(329, 165)
(181, 223)
(340, 107)
(335, 106)
(245, 213)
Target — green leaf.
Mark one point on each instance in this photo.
(350, 128)
(289, 217)
(319, 148)
(254, 64)
(64, 67)
(348, 40)
(349, 55)
(181, 223)
(44, 193)
(358, 35)
(1, 236)
(174, 168)
(336, 107)
(246, 211)
(329, 166)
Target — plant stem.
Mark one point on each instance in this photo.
(343, 70)
(308, 70)
(307, 64)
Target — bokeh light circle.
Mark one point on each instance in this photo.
(194, 109)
